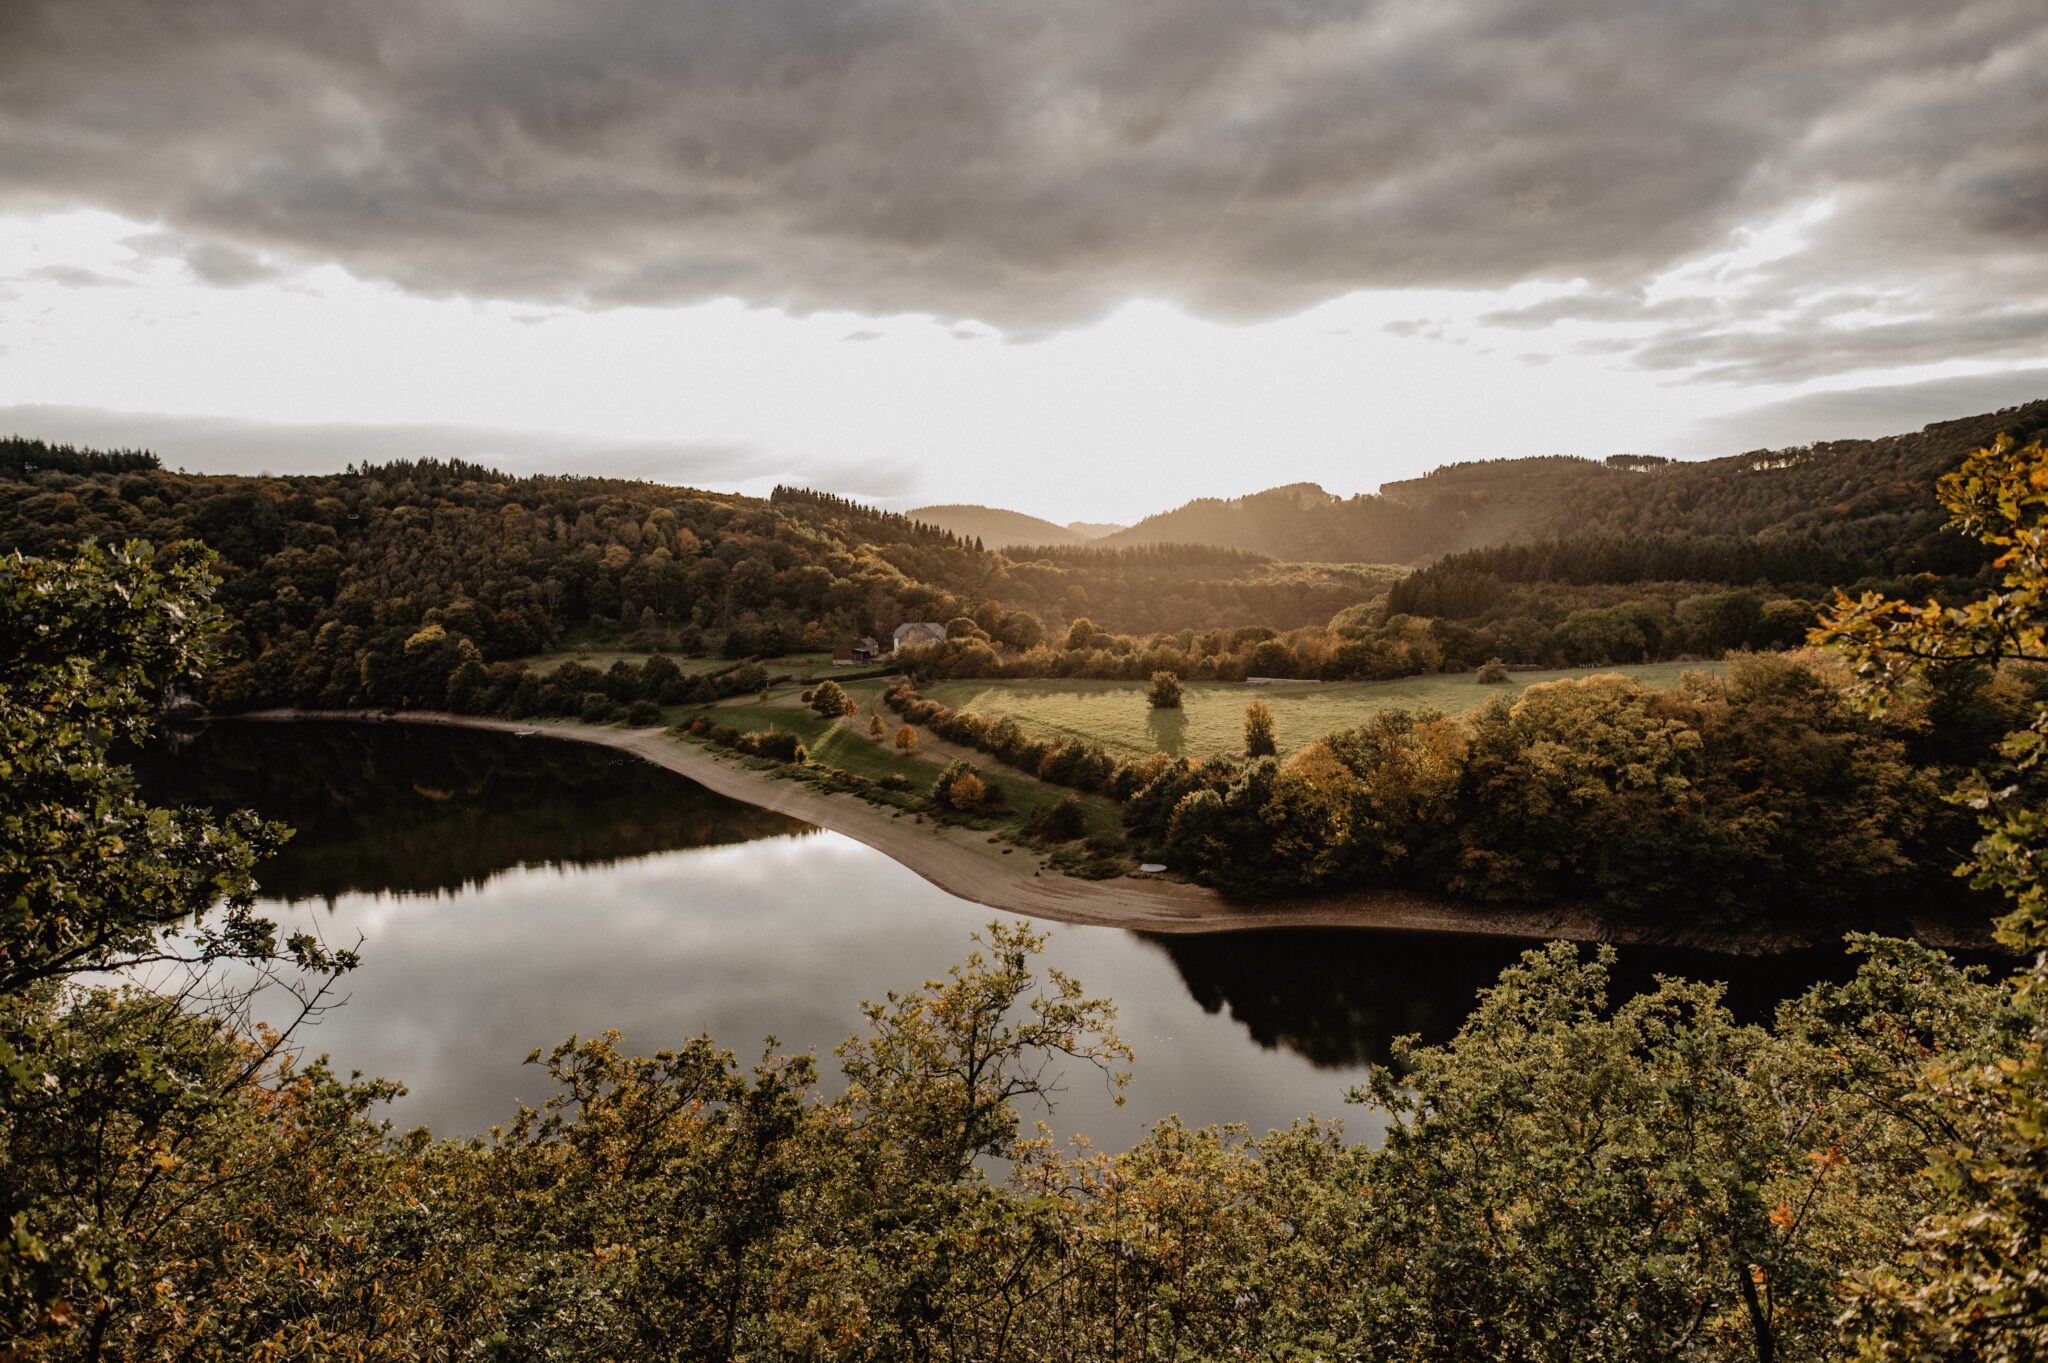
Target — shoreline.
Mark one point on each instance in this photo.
(961, 862)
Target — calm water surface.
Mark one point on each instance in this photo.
(509, 892)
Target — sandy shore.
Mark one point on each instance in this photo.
(963, 863)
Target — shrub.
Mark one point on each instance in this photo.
(964, 790)
(1062, 822)
(642, 713)
(1084, 766)
(1164, 693)
(1132, 777)
(596, 707)
(1258, 730)
(966, 793)
(1493, 673)
(773, 743)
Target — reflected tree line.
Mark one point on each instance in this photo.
(431, 810)
(1340, 998)
(424, 810)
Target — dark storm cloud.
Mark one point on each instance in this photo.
(1033, 165)
(227, 445)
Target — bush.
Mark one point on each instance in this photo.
(1258, 730)
(960, 789)
(966, 794)
(775, 744)
(1062, 822)
(596, 707)
(1084, 766)
(642, 713)
(1494, 673)
(1132, 777)
(1164, 693)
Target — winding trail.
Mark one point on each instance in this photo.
(966, 864)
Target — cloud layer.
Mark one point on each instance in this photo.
(1031, 166)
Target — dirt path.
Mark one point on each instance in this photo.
(962, 863)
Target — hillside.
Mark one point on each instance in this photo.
(345, 588)
(1265, 523)
(1869, 499)
(1094, 530)
(338, 584)
(994, 527)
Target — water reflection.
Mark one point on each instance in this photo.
(512, 891)
(1339, 999)
(418, 810)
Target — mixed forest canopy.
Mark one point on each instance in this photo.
(380, 584)
(1571, 1177)
(329, 580)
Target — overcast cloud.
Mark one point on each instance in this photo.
(1227, 242)
(1033, 165)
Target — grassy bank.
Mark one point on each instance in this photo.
(846, 745)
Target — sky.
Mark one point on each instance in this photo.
(1082, 260)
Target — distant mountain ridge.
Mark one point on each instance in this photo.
(995, 527)
(1868, 498)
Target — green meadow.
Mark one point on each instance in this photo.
(1211, 717)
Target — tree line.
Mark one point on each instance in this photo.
(20, 456)
(1466, 584)
(1758, 800)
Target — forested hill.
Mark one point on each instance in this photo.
(333, 581)
(339, 571)
(1869, 500)
(995, 528)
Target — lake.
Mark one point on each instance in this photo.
(511, 891)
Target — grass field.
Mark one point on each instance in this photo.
(1211, 719)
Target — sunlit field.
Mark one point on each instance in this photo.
(1211, 717)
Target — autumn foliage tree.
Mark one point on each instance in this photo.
(128, 1139)
(1971, 1286)
(829, 700)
